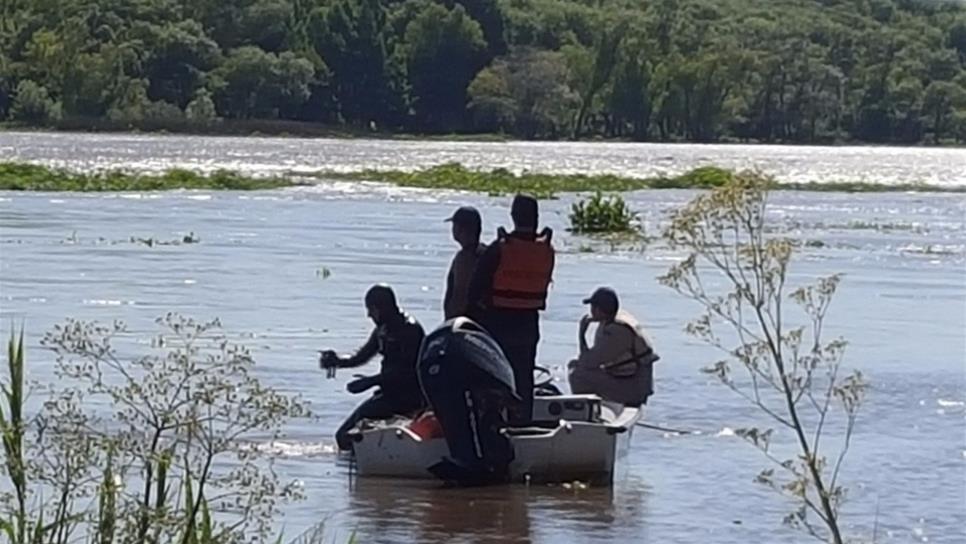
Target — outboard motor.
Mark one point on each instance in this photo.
(469, 384)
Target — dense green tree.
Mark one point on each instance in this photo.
(201, 108)
(351, 36)
(684, 70)
(629, 99)
(593, 74)
(32, 104)
(941, 101)
(536, 83)
(253, 83)
(178, 56)
(491, 103)
(444, 50)
(491, 19)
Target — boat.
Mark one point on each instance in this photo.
(467, 436)
(572, 438)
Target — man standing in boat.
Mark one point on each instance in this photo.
(467, 226)
(620, 365)
(508, 291)
(397, 337)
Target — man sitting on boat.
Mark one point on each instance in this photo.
(397, 338)
(619, 366)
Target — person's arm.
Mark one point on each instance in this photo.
(364, 354)
(482, 283)
(582, 333)
(448, 311)
(609, 344)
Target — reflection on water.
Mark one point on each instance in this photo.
(382, 510)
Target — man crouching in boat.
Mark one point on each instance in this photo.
(619, 366)
(397, 338)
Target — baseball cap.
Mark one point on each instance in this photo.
(466, 215)
(604, 298)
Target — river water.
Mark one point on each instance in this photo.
(258, 267)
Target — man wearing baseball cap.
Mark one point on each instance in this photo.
(619, 366)
(467, 226)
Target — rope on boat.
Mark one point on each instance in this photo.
(665, 429)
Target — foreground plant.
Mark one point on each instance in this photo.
(791, 373)
(162, 442)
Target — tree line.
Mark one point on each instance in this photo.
(666, 70)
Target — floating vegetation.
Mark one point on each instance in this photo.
(452, 176)
(190, 238)
(931, 249)
(501, 181)
(32, 177)
(600, 214)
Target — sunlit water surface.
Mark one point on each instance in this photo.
(259, 267)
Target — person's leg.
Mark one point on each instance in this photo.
(375, 407)
(522, 357)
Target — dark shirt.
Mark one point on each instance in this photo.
(455, 301)
(398, 341)
(503, 323)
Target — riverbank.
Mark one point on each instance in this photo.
(305, 130)
(449, 176)
(235, 128)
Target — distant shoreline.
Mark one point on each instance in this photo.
(255, 128)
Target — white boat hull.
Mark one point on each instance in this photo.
(568, 444)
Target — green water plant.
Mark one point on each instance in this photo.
(500, 181)
(32, 177)
(161, 440)
(601, 215)
(775, 346)
(450, 176)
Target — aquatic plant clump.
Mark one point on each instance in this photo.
(600, 214)
(31, 177)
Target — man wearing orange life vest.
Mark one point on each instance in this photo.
(509, 289)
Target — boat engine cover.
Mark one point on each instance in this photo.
(469, 383)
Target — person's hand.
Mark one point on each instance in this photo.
(329, 362)
(361, 384)
(585, 323)
(328, 359)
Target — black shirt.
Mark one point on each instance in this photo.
(398, 340)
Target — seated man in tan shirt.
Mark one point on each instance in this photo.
(619, 366)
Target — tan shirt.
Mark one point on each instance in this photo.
(614, 342)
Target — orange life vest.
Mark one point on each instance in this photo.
(524, 273)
